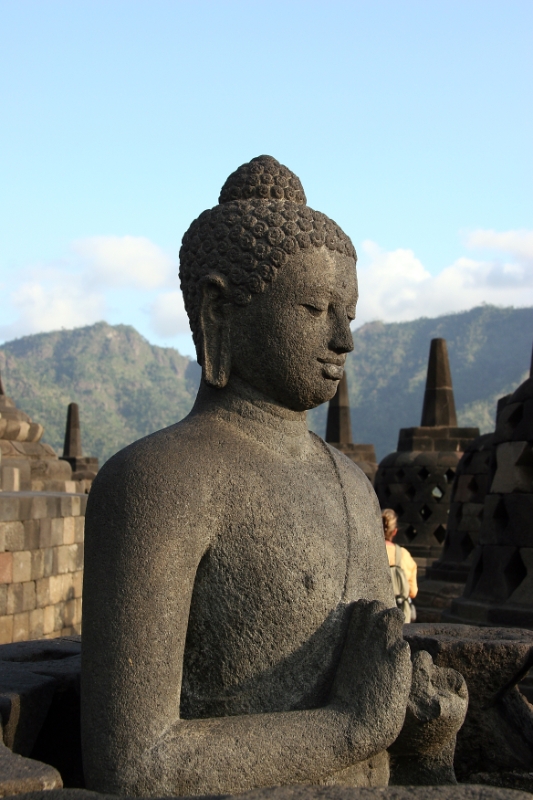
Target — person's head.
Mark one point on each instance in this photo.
(270, 288)
(390, 523)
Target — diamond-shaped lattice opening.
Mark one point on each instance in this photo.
(400, 474)
(440, 534)
(514, 572)
(387, 491)
(425, 512)
(449, 475)
(467, 545)
(410, 532)
(437, 493)
(424, 473)
(410, 492)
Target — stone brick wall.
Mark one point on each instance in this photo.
(41, 564)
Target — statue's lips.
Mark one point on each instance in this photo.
(333, 370)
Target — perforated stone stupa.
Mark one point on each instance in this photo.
(416, 481)
(339, 432)
(499, 589)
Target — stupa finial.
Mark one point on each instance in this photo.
(439, 403)
(339, 426)
(72, 446)
(1, 385)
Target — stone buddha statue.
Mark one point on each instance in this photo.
(239, 624)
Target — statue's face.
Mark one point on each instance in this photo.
(291, 341)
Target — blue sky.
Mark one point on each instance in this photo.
(408, 122)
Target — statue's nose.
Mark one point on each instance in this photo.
(341, 336)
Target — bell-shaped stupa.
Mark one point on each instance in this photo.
(416, 481)
(499, 589)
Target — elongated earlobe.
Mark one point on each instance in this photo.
(215, 325)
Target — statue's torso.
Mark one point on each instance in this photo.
(268, 612)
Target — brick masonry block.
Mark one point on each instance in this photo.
(14, 599)
(14, 535)
(62, 559)
(58, 616)
(31, 534)
(77, 583)
(70, 506)
(2, 537)
(69, 613)
(6, 567)
(28, 596)
(6, 629)
(21, 566)
(48, 561)
(45, 535)
(36, 623)
(39, 508)
(69, 534)
(79, 525)
(48, 619)
(77, 613)
(55, 589)
(9, 506)
(42, 592)
(21, 627)
(37, 564)
(3, 600)
(57, 531)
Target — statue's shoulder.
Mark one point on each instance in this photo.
(350, 474)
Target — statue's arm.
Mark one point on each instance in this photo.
(140, 569)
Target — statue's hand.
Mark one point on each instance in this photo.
(436, 709)
(374, 676)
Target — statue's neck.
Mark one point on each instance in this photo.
(256, 415)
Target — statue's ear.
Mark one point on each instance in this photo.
(215, 325)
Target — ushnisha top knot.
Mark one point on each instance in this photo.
(262, 220)
(263, 178)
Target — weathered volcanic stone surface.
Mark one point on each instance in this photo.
(464, 792)
(228, 642)
(19, 775)
(498, 731)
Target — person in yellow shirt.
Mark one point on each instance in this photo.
(408, 564)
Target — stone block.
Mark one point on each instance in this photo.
(42, 592)
(77, 612)
(77, 583)
(55, 588)
(58, 616)
(2, 537)
(21, 627)
(6, 629)
(48, 562)
(14, 535)
(28, 596)
(37, 564)
(57, 531)
(523, 594)
(10, 479)
(14, 599)
(79, 529)
(20, 775)
(514, 472)
(32, 536)
(3, 599)
(78, 556)
(70, 506)
(524, 429)
(39, 508)
(21, 566)
(69, 534)
(9, 507)
(63, 559)
(68, 613)
(48, 619)
(45, 533)
(6, 567)
(36, 623)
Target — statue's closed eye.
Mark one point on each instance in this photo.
(314, 310)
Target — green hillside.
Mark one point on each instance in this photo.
(127, 387)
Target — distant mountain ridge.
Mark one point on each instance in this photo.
(127, 387)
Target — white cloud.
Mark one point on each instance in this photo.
(168, 316)
(395, 286)
(49, 306)
(124, 261)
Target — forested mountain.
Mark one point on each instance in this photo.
(127, 387)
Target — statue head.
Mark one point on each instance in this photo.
(249, 266)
